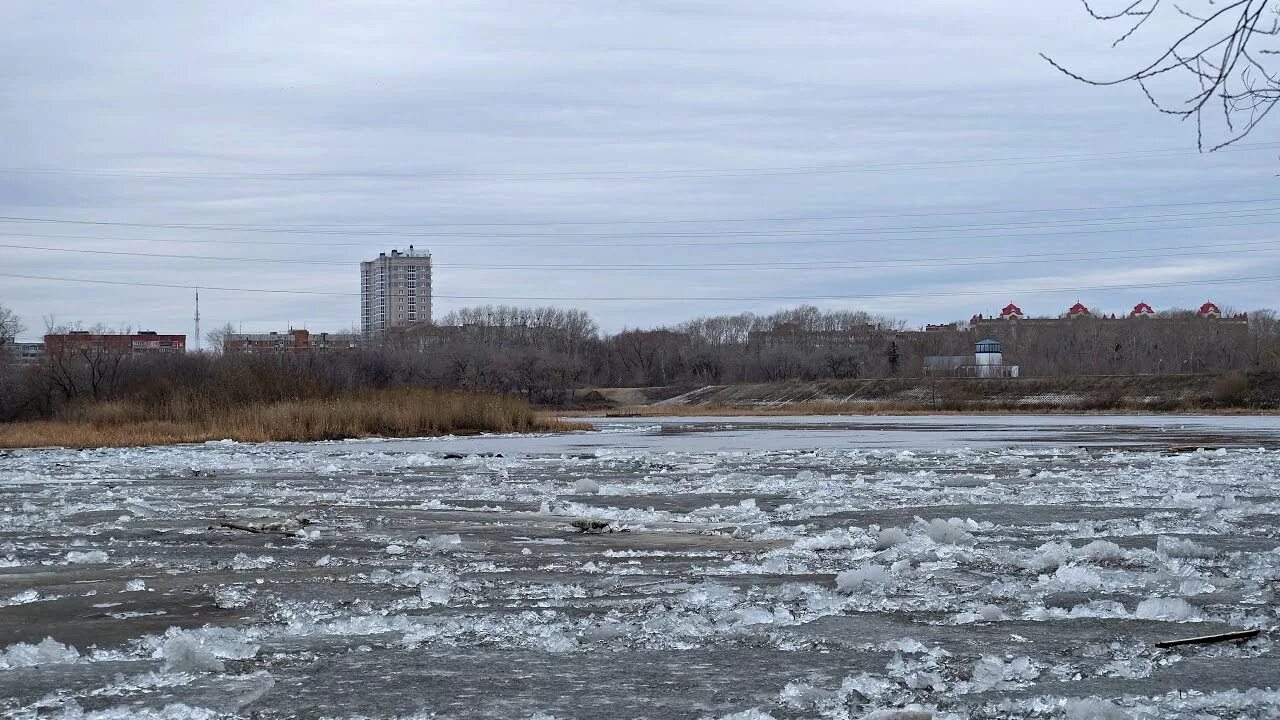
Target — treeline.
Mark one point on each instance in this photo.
(545, 354)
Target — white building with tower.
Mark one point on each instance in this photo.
(987, 361)
(395, 291)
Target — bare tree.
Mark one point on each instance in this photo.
(217, 338)
(1214, 69)
(10, 326)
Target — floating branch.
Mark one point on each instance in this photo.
(1207, 639)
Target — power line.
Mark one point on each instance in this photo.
(1026, 224)
(353, 227)
(1004, 291)
(175, 286)
(1033, 258)
(356, 227)
(1024, 235)
(650, 174)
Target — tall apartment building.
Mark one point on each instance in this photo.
(395, 291)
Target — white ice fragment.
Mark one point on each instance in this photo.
(992, 673)
(47, 652)
(1076, 577)
(1195, 586)
(990, 613)
(1093, 708)
(837, 539)
(202, 650)
(394, 549)
(1050, 555)
(1103, 550)
(906, 645)
(710, 595)
(89, 557)
(867, 576)
(1178, 548)
(896, 714)
(183, 654)
(244, 562)
(1166, 609)
(232, 596)
(324, 561)
(440, 543)
(586, 486)
(752, 714)
(890, 537)
(803, 696)
(135, 586)
(948, 532)
(435, 594)
(139, 508)
(22, 598)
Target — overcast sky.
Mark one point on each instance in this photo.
(526, 145)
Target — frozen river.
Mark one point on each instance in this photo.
(753, 568)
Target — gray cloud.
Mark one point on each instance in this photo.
(427, 112)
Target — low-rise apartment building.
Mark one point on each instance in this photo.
(288, 343)
(146, 342)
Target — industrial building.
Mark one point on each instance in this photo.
(395, 291)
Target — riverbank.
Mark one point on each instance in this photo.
(1233, 393)
(385, 413)
(821, 409)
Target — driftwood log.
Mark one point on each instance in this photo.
(590, 526)
(1206, 639)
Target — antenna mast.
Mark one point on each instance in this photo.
(197, 319)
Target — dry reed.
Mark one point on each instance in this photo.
(385, 413)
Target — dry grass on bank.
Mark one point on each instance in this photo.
(388, 413)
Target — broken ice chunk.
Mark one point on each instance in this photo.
(867, 576)
(90, 557)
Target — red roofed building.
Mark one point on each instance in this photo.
(1078, 310)
(1142, 310)
(1210, 310)
(1011, 312)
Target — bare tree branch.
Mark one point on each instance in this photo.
(1218, 52)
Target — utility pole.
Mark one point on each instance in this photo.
(197, 319)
